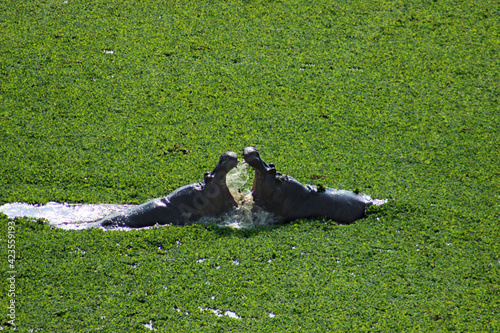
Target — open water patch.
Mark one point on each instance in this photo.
(63, 215)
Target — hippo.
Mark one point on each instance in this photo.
(289, 200)
(185, 205)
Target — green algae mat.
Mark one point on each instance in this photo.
(124, 101)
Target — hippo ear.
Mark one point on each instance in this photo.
(272, 169)
(208, 177)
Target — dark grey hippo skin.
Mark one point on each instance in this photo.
(184, 206)
(289, 199)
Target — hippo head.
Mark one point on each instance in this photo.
(265, 180)
(252, 157)
(227, 162)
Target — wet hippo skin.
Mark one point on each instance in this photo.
(290, 200)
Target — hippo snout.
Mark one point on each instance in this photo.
(249, 150)
(251, 156)
(228, 161)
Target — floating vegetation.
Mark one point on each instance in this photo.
(120, 102)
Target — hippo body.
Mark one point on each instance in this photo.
(185, 205)
(289, 199)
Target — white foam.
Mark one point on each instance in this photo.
(150, 325)
(217, 312)
(231, 314)
(375, 202)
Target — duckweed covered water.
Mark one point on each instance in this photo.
(120, 102)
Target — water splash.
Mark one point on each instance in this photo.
(246, 215)
(375, 202)
(63, 215)
(236, 181)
